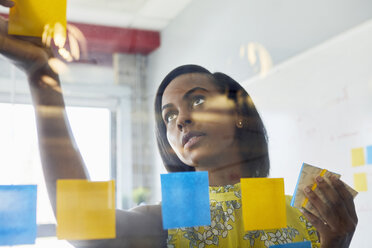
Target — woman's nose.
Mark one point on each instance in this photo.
(183, 120)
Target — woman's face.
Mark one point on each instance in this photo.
(200, 121)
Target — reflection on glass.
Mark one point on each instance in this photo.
(70, 43)
(258, 57)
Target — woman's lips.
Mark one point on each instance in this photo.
(191, 138)
(192, 141)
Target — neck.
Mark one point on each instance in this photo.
(225, 175)
(231, 173)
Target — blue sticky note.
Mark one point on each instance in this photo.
(17, 214)
(185, 199)
(295, 192)
(369, 155)
(306, 244)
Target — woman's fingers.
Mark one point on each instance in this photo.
(334, 200)
(7, 3)
(348, 199)
(27, 53)
(337, 221)
(325, 211)
(319, 224)
(3, 32)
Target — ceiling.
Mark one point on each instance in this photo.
(142, 14)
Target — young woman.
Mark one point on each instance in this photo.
(205, 122)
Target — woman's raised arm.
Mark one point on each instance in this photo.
(60, 156)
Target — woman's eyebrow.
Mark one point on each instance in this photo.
(188, 93)
(166, 106)
(186, 96)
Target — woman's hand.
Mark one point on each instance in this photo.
(27, 53)
(339, 219)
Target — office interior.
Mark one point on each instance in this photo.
(305, 64)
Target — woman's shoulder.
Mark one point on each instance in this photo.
(140, 226)
(147, 209)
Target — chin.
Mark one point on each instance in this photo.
(199, 158)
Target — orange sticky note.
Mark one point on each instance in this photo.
(360, 182)
(263, 203)
(85, 210)
(357, 157)
(33, 17)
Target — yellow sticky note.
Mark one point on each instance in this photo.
(360, 182)
(357, 157)
(85, 210)
(33, 17)
(263, 203)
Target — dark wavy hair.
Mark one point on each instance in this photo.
(252, 136)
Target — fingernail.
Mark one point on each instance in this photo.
(10, 3)
(307, 189)
(319, 179)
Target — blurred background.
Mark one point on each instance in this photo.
(306, 65)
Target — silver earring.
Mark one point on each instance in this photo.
(239, 124)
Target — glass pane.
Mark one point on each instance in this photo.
(295, 86)
(20, 157)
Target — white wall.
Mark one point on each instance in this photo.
(211, 32)
(317, 107)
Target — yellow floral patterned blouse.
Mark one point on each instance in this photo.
(226, 229)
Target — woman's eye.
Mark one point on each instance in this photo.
(197, 101)
(170, 117)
